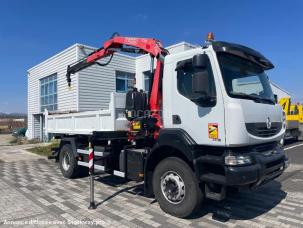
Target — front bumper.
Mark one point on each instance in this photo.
(265, 167)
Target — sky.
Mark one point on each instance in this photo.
(34, 30)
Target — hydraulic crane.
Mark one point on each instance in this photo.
(130, 45)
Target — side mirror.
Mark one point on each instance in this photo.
(200, 82)
(200, 61)
(200, 87)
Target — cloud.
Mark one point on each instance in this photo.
(141, 16)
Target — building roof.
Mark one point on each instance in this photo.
(53, 57)
(94, 48)
(279, 88)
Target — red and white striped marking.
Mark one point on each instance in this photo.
(90, 159)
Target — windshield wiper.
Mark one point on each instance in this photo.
(253, 97)
(268, 100)
(247, 96)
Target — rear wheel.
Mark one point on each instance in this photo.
(68, 162)
(176, 188)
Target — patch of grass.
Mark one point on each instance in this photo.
(42, 150)
(45, 150)
(33, 141)
(23, 140)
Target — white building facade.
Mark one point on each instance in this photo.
(91, 87)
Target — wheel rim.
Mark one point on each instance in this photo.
(66, 162)
(173, 187)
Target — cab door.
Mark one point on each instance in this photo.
(204, 122)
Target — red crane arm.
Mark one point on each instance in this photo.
(144, 46)
(132, 45)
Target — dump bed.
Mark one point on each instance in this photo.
(87, 122)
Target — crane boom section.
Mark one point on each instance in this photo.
(131, 45)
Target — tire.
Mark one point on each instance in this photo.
(72, 170)
(165, 174)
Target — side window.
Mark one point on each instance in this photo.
(185, 80)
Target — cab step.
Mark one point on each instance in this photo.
(215, 192)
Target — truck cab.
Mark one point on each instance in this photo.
(226, 102)
(220, 111)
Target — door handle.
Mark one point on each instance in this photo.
(176, 119)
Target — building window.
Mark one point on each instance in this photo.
(48, 93)
(124, 81)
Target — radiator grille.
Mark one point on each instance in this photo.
(261, 130)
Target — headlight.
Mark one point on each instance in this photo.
(281, 142)
(237, 160)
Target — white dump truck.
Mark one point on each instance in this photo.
(198, 132)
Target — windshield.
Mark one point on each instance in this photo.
(244, 79)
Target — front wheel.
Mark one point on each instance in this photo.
(176, 187)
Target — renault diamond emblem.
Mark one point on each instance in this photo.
(268, 123)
